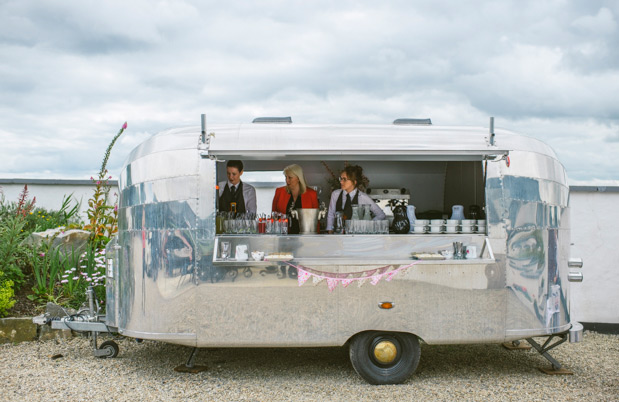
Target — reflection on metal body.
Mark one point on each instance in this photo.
(168, 283)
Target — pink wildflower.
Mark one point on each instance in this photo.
(64, 281)
(41, 254)
(125, 126)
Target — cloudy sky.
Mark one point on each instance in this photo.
(71, 72)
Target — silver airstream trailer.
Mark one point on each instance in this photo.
(377, 291)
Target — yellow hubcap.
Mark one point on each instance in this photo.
(385, 352)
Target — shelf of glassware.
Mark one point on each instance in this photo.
(347, 249)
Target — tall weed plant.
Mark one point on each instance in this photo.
(13, 254)
(102, 215)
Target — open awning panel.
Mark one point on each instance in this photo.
(355, 142)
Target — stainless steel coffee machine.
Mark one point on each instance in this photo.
(386, 197)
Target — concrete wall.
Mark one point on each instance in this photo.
(50, 193)
(595, 236)
(595, 239)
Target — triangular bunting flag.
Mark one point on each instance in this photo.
(331, 284)
(303, 276)
(373, 275)
(346, 282)
(317, 279)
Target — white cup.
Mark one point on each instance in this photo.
(466, 229)
(436, 228)
(448, 254)
(419, 228)
(437, 221)
(451, 229)
(241, 252)
(471, 252)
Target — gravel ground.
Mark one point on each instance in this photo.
(145, 372)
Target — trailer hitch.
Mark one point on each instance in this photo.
(87, 320)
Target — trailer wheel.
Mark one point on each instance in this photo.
(384, 357)
(111, 348)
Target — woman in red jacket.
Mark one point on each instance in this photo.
(294, 195)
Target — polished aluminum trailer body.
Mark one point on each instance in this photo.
(518, 288)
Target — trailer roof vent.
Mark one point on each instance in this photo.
(287, 120)
(405, 122)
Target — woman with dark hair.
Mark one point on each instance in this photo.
(349, 194)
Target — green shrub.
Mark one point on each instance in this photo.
(58, 278)
(41, 219)
(89, 270)
(47, 268)
(6, 295)
(13, 255)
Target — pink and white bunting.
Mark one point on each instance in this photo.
(374, 275)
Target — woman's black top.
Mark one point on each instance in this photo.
(293, 227)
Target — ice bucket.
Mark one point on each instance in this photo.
(308, 220)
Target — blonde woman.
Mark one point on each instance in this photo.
(294, 195)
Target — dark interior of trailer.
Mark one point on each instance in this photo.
(434, 186)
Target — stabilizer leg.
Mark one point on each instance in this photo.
(189, 367)
(543, 350)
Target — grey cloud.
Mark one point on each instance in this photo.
(77, 70)
(614, 137)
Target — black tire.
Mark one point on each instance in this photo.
(397, 362)
(111, 347)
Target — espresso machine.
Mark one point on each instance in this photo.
(386, 197)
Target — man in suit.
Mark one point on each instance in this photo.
(234, 195)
